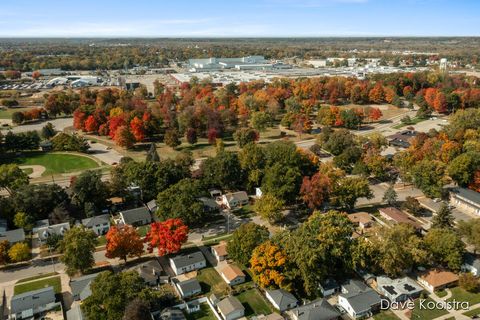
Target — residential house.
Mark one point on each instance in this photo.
(465, 200)
(361, 219)
(188, 288)
(75, 313)
(81, 286)
(29, 304)
(172, 314)
(318, 309)
(152, 206)
(235, 200)
(214, 299)
(471, 263)
(188, 262)
(152, 272)
(13, 236)
(281, 299)
(398, 290)
(192, 306)
(136, 217)
(231, 308)
(397, 216)
(220, 251)
(43, 229)
(328, 287)
(215, 193)
(209, 205)
(232, 275)
(401, 139)
(99, 224)
(437, 279)
(358, 299)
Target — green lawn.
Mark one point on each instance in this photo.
(211, 282)
(142, 231)
(254, 303)
(414, 121)
(55, 163)
(7, 113)
(205, 313)
(40, 276)
(425, 314)
(101, 241)
(473, 312)
(27, 171)
(441, 293)
(385, 315)
(35, 285)
(461, 295)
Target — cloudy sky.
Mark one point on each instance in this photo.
(228, 18)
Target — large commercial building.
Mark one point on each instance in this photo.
(243, 63)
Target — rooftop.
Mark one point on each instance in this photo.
(32, 299)
(231, 272)
(184, 260)
(221, 249)
(467, 194)
(399, 216)
(229, 305)
(318, 309)
(282, 297)
(437, 277)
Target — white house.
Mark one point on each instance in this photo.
(281, 299)
(471, 264)
(188, 262)
(398, 290)
(235, 199)
(231, 308)
(232, 275)
(188, 288)
(44, 230)
(358, 299)
(220, 251)
(99, 224)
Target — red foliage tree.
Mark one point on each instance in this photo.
(440, 102)
(123, 137)
(36, 74)
(212, 135)
(123, 242)
(375, 114)
(315, 190)
(137, 128)
(430, 95)
(103, 129)
(167, 236)
(114, 123)
(91, 125)
(79, 118)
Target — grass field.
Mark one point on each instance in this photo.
(211, 281)
(441, 293)
(461, 295)
(414, 121)
(35, 285)
(425, 314)
(55, 163)
(254, 303)
(385, 315)
(472, 313)
(38, 277)
(7, 113)
(205, 313)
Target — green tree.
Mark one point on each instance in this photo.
(24, 221)
(112, 292)
(390, 196)
(446, 247)
(137, 309)
(67, 142)
(89, 187)
(348, 190)
(4, 247)
(172, 138)
(462, 168)
(243, 136)
(471, 231)
(261, 120)
(48, 131)
(468, 282)
(244, 240)
(252, 161)
(78, 246)
(429, 176)
(413, 206)
(338, 141)
(39, 200)
(282, 182)
(12, 178)
(443, 218)
(19, 252)
(269, 208)
(223, 171)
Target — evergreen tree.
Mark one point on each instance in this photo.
(390, 196)
(444, 218)
(152, 154)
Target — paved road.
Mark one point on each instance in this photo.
(104, 153)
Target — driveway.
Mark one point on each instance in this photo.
(105, 154)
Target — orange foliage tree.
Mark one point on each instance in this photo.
(123, 242)
(269, 266)
(91, 125)
(137, 128)
(167, 236)
(316, 190)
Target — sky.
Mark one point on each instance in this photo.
(230, 18)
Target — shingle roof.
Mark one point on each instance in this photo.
(172, 314)
(231, 272)
(221, 249)
(239, 196)
(101, 219)
(138, 214)
(189, 285)
(229, 305)
(32, 299)
(81, 285)
(438, 278)
(472, 260)
(318, 309)
(361, 301)
(282, 298)
(13, 236)
(187, 259)
(468, 194)
(149, 270)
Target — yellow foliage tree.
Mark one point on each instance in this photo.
(269, 266)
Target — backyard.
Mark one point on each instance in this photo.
(254, 303)
(55, 163)
(385, 315)
(35, 285)
(459, 294)
(211, 281)
(205, 313)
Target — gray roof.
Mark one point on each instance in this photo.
(93, 221)
(172, 314)
(152, 205)
(318, 309)
(360, 296)
(282, 298)
(329, 284)
(229, 305)
(394, 288)
(138, 214)
(188, 259)
(81, 285)
(189, 285)
(239, 196)
(75, 313)
(149, 270)
(13, 236)
(44, 231)
(32, 299)
(472, 260)
(467, 194)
